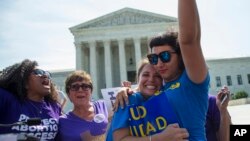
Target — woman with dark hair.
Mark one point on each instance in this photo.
(179, 60)
(25, 93)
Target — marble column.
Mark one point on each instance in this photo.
(79, 56)
(137, 43)
(122, 60)
(108, 66)
(93, 72)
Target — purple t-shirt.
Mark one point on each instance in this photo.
(74, 128)
(213, 119)
(13, 110)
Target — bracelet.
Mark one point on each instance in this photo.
(150, 138)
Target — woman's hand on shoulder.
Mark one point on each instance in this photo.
(122, 98)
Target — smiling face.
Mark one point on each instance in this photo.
(80, 92)
(169, 71)
(149, 81)
(38, 86)
(79, 88)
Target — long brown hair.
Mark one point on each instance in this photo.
(15, 77)
(143, 63)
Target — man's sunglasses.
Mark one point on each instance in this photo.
(40, 72)
(76, 87)
(165, 57)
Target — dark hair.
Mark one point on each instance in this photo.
(15, 77)
(54, 92)
(167, 38)
(77, 76)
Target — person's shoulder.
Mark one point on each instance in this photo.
(3, 91)
(6, 94)
(99, 103)
(212, 107)
(183, 77)
(54, 106)
(211, 98)
(64, 116)
(135, 98)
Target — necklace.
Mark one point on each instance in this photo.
(39, 110)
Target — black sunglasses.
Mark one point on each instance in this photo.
(76, 87)
(40, 72)
(165, 57)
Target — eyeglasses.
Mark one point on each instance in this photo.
(165, 57)
(40, 72)
(76, 87)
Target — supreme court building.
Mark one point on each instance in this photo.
(111, 46)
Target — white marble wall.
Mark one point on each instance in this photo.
(230, 67)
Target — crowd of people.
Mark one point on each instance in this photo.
(174, 78)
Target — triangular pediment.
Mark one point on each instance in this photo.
(125, 16)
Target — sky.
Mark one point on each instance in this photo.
(39, 29)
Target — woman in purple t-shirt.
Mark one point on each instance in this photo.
(25, 94)
(88, 120)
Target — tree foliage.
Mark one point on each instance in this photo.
(240, 94)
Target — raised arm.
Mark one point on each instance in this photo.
(225, 118)
(189, 38)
